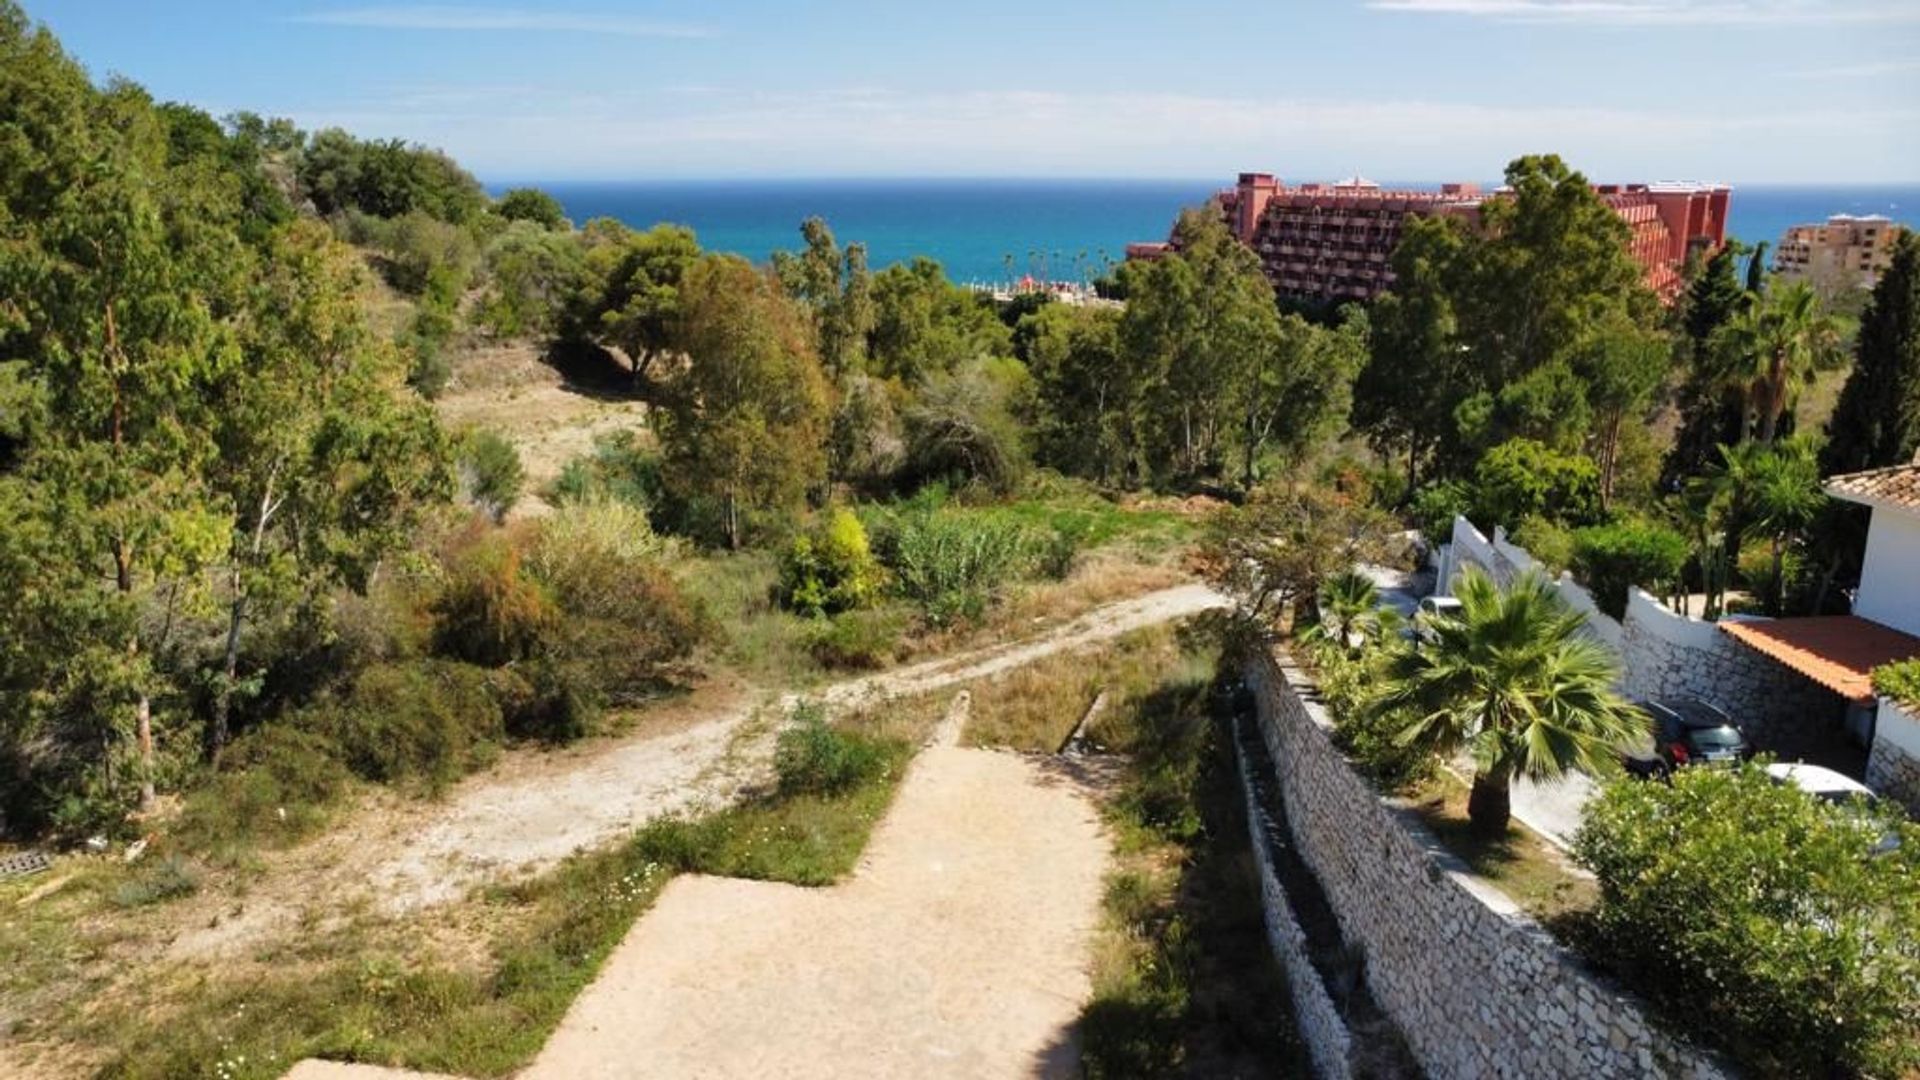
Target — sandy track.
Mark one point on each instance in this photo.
(535, 810)
(490, 825)
(959, 949)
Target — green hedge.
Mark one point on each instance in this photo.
(1612, 559)
(1899, 681)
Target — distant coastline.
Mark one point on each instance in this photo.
(1061, 229)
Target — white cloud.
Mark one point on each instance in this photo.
(1669, 12)
(440, 17)
(870, 131)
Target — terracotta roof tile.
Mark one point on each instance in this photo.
(1837, 651)
(1897, 485)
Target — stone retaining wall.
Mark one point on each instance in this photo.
(1893, 768)
(1477, 988)
(1315, 1016)
(1666, 654)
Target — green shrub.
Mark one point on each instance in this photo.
(1899, 681)
(491, 475)
(812, 757)
(830, 568)
(159, 880)
(857, 640)
(275, 785)
(491, 612)
(1056, 550)
(1522, 478)
(1435, 507)
(1365, 731)
(952, 564)
(619, 469)
(1550, 543)
(1770, 919)
(428, 721)
(1612, 559)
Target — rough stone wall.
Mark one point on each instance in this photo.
(1315, 1016)
(1478, 988)
(1781, 710)
(1893, 769)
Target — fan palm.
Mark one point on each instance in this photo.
(1513, 680)
(1772, 349)
(1773, 493)
(1351, 614)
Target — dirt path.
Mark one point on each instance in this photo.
(533, 812)
(957, 949)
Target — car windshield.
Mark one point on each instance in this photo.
(1697, 714)
(1716, 738)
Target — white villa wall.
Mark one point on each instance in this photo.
(1506, 561)
(1893, 768)
(1890, 577)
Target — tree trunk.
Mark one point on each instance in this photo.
(143, 732)
(223, 701)
(1490, 804)
(1778, 601)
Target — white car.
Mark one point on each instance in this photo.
(1433, 607)
(1821, 782)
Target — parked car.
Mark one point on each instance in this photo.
(1838, 788)
(1686, 731)
(1821, 782)
(1432, 607)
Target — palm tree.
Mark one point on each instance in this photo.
(1772, 348)
(1351, 615)
(1773, 494)
(1513, 680)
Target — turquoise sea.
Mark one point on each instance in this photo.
(1060, 229)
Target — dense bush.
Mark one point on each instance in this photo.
(1899, 681)
(618, 468)
(1766, 917)
(952, 564)
(830, 568)
(491, 611)
(858, 640)
(812, 757)
(1435, 507)
(1522, 478)
(427, 721)
(1364, 729)
(1612, 559)
(274, 785)
(491, 475)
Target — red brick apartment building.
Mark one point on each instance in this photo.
(1334, 242)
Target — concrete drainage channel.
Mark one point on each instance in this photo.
(1346, 1032)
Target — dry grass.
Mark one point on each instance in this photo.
(1035, 708)
(1534, 873)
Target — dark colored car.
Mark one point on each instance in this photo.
(1687, 731)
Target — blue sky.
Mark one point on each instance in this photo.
(1738, 90)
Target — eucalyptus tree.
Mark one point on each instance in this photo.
(324, 457)
(743, 425)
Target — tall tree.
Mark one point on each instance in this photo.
(630, 290)
(1297, 387)
(324, 459)
(1093, 394)
(1710, 413)
(1773, 348)
(743, 427)
(838, 289)
(1514, 681)
(1877, 420)
(1202, 314)
(1416, 373)
(1621, 364)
